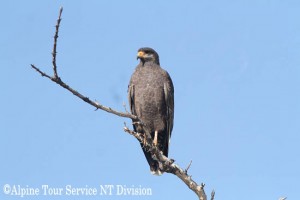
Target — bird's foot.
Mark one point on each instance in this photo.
(155, 138)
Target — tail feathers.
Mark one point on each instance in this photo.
(163, 145)
(157, 172)
(154, 168)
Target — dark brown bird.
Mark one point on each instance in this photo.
(151, 99)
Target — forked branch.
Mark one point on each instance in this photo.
(166, 164)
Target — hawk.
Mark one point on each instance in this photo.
(151, 99)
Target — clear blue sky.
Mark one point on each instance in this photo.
(235, 67)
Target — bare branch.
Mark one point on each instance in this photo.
(58, 80)
(165, 164)
(168, 165)
(55, 43)
(84, 98)
(42, 73)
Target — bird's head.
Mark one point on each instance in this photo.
(147, 54)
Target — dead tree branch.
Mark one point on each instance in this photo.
(55, 78)
(169, 166)
(166, 164)
(55, 43)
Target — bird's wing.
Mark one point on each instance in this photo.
(131, 100)
(169, 99)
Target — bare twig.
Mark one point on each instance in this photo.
(188, 167)
(166, 164)
(124, 105)
(212, 195)
(55, 43)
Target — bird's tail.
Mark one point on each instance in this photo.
(163, 145)
(156, 173)
(154, 166)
